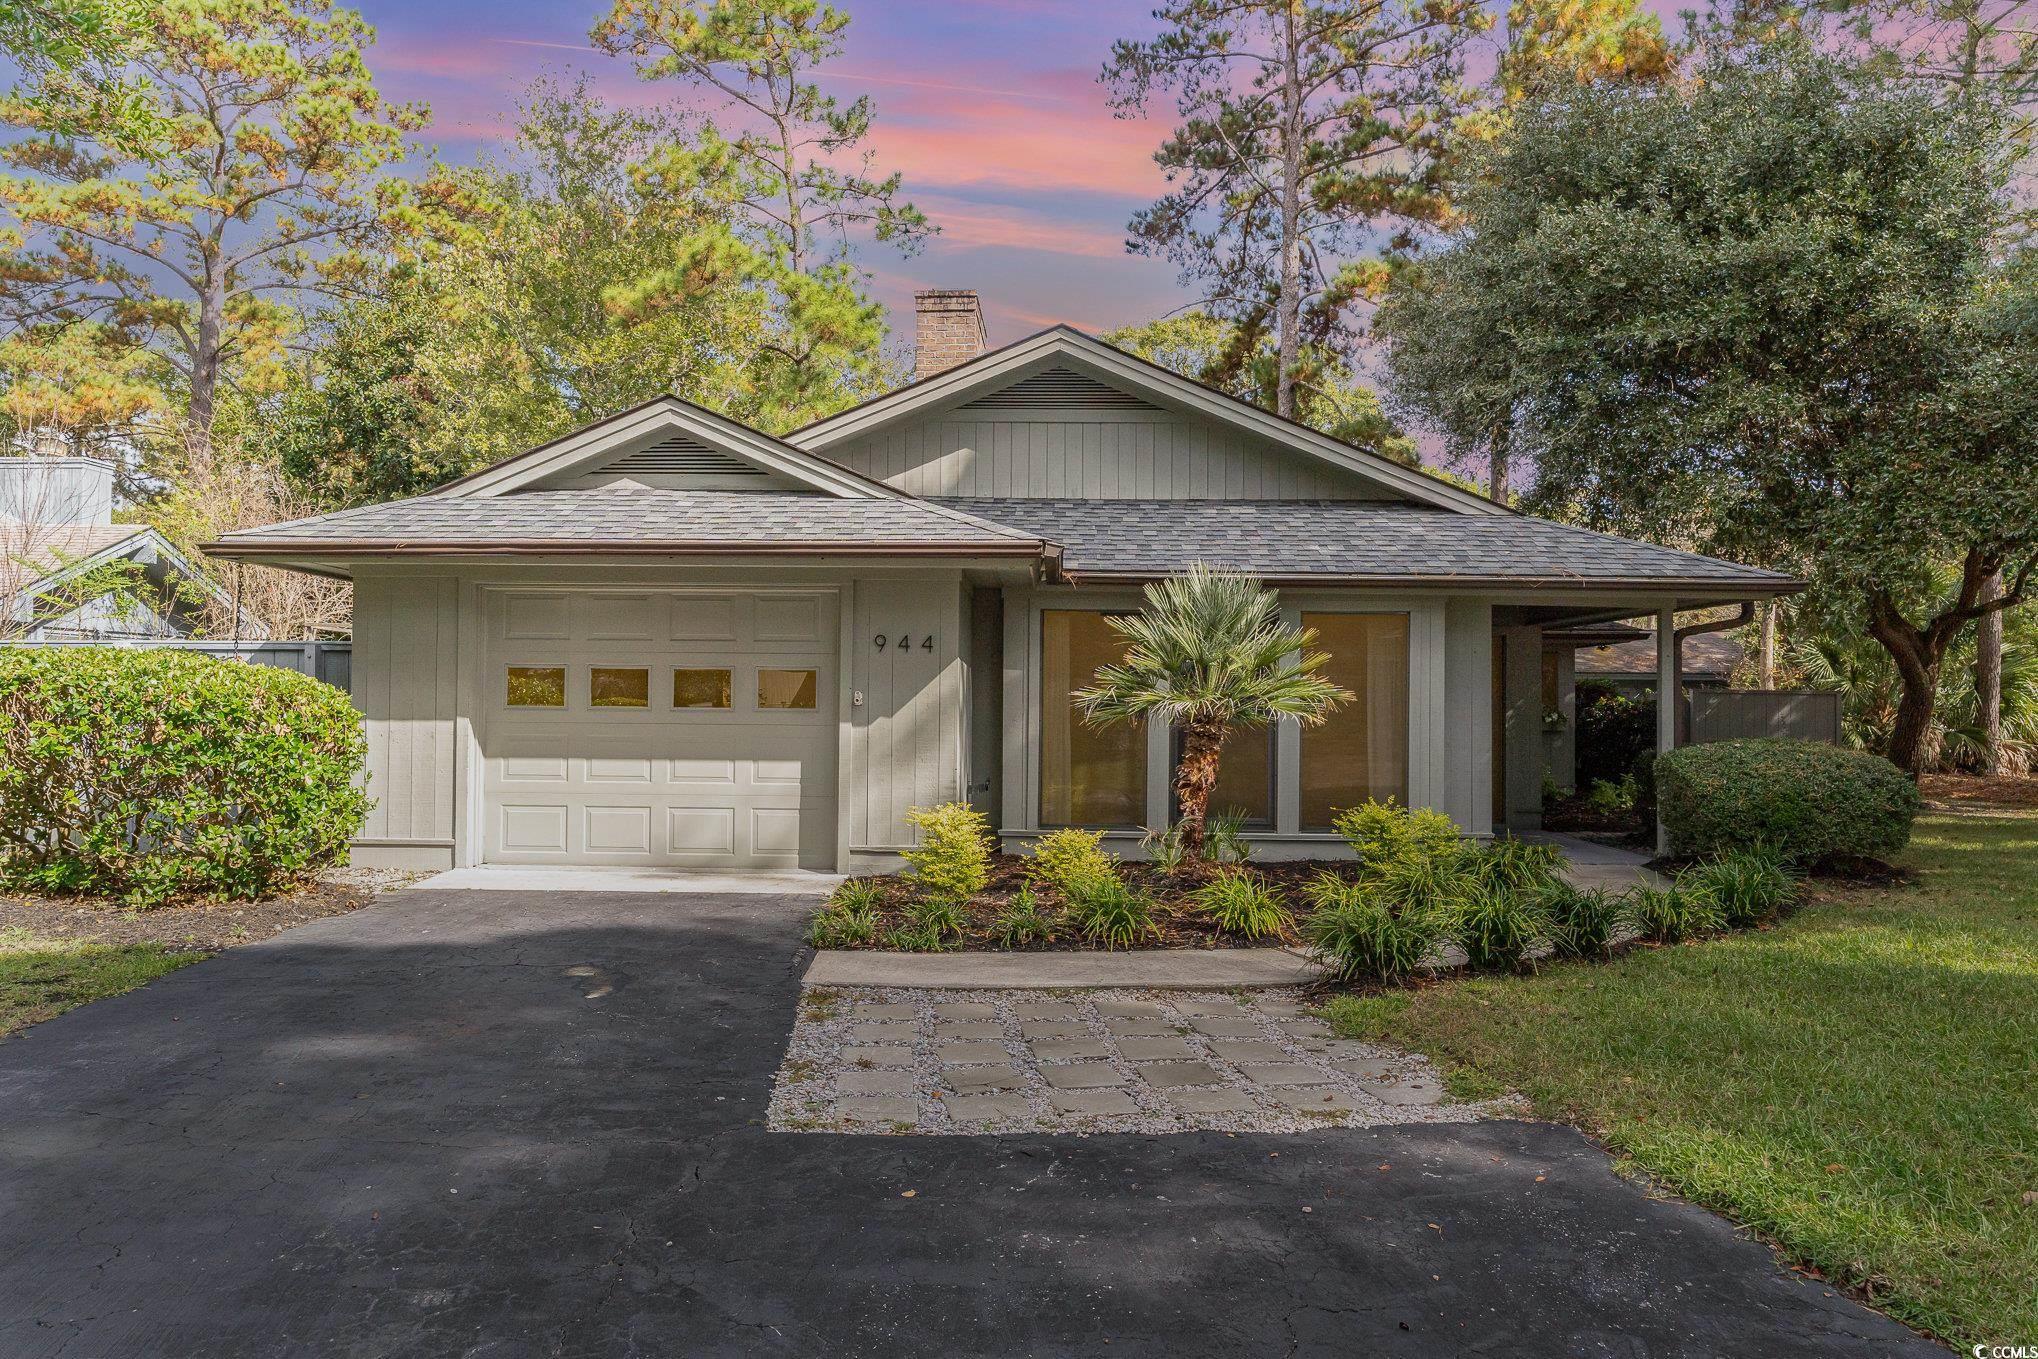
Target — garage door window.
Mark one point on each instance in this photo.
(785, 688)
(700, 689)
(619, 686)
(536, 686)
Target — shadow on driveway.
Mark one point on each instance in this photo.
(510, 1124)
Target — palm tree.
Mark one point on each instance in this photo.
(1207, 654)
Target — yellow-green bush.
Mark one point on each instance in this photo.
(1067, 859)
(953, 860)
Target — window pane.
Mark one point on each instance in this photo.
(536, 686)
(1089, 776)
(1362, 751)
(700, 689)
(1244, 785)
(785, 688)
(619, 686)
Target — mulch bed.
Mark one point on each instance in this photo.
(1975, 792)
(1181, 921)
(195, 927)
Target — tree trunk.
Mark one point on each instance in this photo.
(1288, 308)
(1765, 660)
(205, 374)
(1988, 678)
(1196, 780)
(1917, 667)
(1497, 468)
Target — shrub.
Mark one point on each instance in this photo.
(1359, 935)
(1520, 866)
(849, 917)
(1224, 839)
(154, 774)
(953, 860)
(1024, 920)
(1064, 858)
(1665, 915)
(1498, 924)
(1803, 800)
(1381, 832)
(1582, 923)
(938, 916)
(1112, 914)
(1609, 797)
(1747, 885)
(1166, 850)
(1242, 903)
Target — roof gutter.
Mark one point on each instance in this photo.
(1734, 590)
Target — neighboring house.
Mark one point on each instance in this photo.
(1622, 657)
(59, 545)
(669, 639)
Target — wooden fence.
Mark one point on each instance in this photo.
(1741, 714)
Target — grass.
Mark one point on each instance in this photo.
(41, 978)
(1858, 1083)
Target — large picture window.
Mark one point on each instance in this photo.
(1361, 752)
(1089, 776)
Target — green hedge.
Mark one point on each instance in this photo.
(1804, 800)
(154, 774)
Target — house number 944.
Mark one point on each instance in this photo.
(903, 642)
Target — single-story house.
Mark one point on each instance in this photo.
(57, 541)
(669, 639)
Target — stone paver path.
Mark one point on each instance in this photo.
(888, 1060)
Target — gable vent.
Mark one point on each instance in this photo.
(677, 455)
(1059, 387)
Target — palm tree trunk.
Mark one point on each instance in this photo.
(1196, 780)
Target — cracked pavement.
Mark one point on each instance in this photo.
(502, 1124)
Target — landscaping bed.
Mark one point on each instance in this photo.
(1179, 919)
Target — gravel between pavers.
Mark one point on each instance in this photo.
(835, 1021)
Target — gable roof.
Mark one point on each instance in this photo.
(1066, 348)
(1353, 541)
(646, 424)
(638, 519)
(36, 559)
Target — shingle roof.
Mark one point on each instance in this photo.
(31, 553)
(1285, 539)
(1705, 653)
(654, 518)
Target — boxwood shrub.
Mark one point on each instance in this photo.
(155, 774)
(1803, 800)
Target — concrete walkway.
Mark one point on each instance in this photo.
(1162, 969)
(1593, 863)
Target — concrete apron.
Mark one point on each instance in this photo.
(1181, 969)
(599, 878)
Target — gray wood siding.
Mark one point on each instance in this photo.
(406, 674)
(906, 737)
(1092, 455)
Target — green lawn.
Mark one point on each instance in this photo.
(41, 978)
(1860, 1083)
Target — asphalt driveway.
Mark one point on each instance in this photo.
(508, 1124)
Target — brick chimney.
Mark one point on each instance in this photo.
(948, 330)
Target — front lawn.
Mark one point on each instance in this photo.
(41, 977)
(1858, 1083)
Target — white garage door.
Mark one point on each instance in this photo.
(678, 728)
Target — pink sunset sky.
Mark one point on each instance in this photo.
(990, 108)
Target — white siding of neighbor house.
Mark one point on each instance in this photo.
(1092, 454)
(406, 678)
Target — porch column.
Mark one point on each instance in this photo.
(1667, 698)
